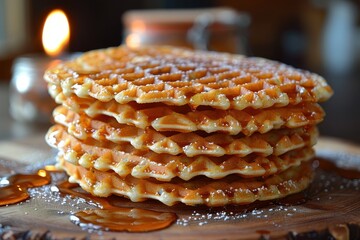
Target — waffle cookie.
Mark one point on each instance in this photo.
(186, 126)
(125, 160)
(177, 76)
(228, 190)
(166, 118)
(191, 144)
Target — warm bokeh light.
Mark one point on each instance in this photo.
(133, 40)
(56, 33)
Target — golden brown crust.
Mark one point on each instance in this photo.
(110, 132)
(166, 118)
(125, 160)
(228, 190)
(177, 76)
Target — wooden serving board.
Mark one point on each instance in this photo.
(329, 203)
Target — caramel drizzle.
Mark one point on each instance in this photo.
(110, 217)
(16, 187)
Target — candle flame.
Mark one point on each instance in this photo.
(56, 33)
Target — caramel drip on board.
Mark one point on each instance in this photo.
(12, 194)
(263, 232)
(330, 166)
(126, 219)
(114, 218)
(293, 199)
(16, 189)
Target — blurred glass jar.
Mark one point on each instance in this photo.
(29, 98)
(218, 29)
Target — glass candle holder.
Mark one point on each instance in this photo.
(29, 97)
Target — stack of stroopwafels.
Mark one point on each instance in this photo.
(178, 125)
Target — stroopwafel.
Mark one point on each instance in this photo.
(125, 160)
(228, 190)
(166, 118)
(275, 142)
(177, 76)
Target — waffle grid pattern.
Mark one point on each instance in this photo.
(181, 77)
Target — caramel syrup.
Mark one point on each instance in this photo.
(263, 232)
(113, 218)
(293, 199)
(17, 185)
(330, 166)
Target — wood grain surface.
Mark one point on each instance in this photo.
(329, 203)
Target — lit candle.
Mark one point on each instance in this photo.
(56, 33)
(29, 99)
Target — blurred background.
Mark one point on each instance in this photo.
(318, 35)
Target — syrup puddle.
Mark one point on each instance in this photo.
(329, 166)
(115, 218)
(15, 189)
(124, 219)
